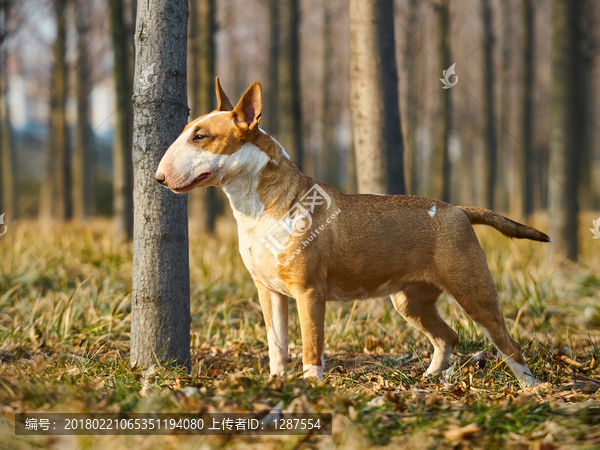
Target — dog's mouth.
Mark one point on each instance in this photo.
(202, 177)
(193, 184)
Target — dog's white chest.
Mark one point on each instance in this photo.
(258, 259)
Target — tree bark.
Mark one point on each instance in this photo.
(506, 158)
(160, 324)
(204, 202)
(490, 105)
(589, 196)
(328, 170)
(441, 168)
(122, 166)
(528, 77)
(290, 106)
(82, 154)
(568, 124)
(271, 107)
(374, 97)
(412, 82)
(55, 195)
(8, 169)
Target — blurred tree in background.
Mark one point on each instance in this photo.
(441, 167)
(8, 168)
(569, 106)
(289, 128)
(55, 194)
(123, 81)
(82, 153)
(201, 70)
(375, 111)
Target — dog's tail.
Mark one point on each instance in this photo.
(510, 228)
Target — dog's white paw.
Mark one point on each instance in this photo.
(312, 371)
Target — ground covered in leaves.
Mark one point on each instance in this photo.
(64, 346)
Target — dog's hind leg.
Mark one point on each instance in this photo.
(416, 303)
(474, 289)
(484, 309)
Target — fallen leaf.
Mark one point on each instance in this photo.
(570, 361)
(261, 407)
(575, 407)
(352, 413)
(541, 445)
(376, 402)
(457, 433)
(38, 364)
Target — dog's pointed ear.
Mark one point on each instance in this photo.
(224, 103)
(248, 111)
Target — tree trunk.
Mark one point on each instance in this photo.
(328, 169)
(490, 105)
(82, 177)
(122, 166)
(589, 196)
(528, 77)
(204, 202)
(55, 195)
(507, 169)
(412, 83)
(290, 107)
(374, 96)
(270, 110)
(160, 323)
(441, 168)
(8, 172)
(568, 124)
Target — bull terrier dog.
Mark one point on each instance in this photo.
(303, 239)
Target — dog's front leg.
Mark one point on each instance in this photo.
(275, 310)
(311, 311)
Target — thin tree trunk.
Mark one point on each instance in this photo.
(204, 202)
(290, 107)
(270, 111)
(441, 168)
(8, 172)
(351, 183)
(528, 77)
(122, 165)
(374, 96)
(410, 65)
(589, 47)
(328, 170)
(567, 124)
(490, 105)
(82, 154)
(160, 323)
(55, 196)
(506, 157)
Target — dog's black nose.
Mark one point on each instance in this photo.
(159, 177)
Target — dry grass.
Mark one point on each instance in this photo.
(65, 322)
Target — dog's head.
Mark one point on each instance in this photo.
(216, 146)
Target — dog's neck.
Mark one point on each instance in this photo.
(268, 181)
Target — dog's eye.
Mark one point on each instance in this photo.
(199, 137)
